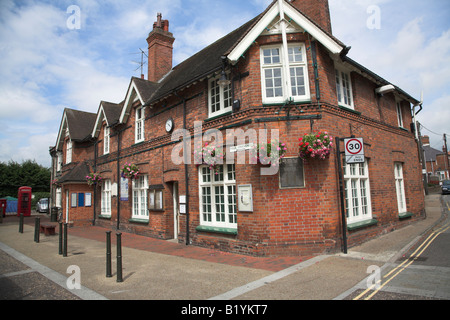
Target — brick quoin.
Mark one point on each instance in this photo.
(297, 221)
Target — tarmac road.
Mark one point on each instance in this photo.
(161, 270)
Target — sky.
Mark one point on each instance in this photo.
(76, 53)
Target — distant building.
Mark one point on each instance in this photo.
(437, 164)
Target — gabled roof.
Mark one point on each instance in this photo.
(77, 174)
(79, 124)
(288, 12)
(140, 89)
(431, 153)
(232, 47)
(108, 111)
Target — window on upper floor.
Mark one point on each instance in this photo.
(284, 75)
(219, 98)
(399, 115)
(59, 161)
(69, 151)
(139, 124)
(106, 140)
(344, 89)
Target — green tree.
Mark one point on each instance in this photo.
(14, 175)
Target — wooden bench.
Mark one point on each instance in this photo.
(48, 229)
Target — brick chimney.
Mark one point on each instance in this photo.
(426, 140)
(160, 50)
(316, 10)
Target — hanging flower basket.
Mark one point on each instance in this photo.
(266, 156)
(93, 179)
(211, 156)
(129, 171)
(316, 145)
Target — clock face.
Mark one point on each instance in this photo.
(169, 125)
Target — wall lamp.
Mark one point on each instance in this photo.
(224, 81)
(384, 89)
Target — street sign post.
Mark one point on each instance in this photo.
(354, 150)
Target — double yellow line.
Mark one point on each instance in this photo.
(414, 256)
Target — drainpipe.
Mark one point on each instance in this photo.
(186, 166)
(119, 180)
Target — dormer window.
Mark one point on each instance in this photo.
(220, 98)
(284, 75)
(139, 125)
(344, 89)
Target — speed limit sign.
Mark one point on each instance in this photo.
(354, 150)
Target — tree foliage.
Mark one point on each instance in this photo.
(14, 175)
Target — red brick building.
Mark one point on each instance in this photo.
(284, 74)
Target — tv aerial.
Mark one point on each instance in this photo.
(142, 63)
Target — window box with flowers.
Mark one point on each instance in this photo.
(265, 155)
(211, 156)
(316, 145)
(130, 171)
(93, 179)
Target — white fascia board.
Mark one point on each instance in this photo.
(61, 129)
(99, 121)
(297, 17)
(313, 30)
(129, 102)
(248, 40)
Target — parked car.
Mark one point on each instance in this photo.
(42, 205)
(445, 187)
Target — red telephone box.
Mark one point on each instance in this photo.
(2, 207)
(24, 201)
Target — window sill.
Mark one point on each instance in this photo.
(135, 220)
(214, 117)
(217, 230)
(361, 224)
(405, 215)
(102, 216)
(349, 110)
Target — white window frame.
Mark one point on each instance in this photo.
(69, 147)
(357, 192)
(399, 114)
(106, 140)
(218, 191)
(140, 191)
(106, 198)
(286, 63)
(139, 125)
(400, 187)
(344, 90)
(220, 98)
(59, 161)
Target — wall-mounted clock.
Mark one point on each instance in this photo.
(169, 125)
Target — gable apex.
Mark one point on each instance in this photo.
(275, 11)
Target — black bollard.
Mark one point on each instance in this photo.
(108, 254)
(60, 235)
(37, 224)
(65, 241)
(21, 223)
(119, 258)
